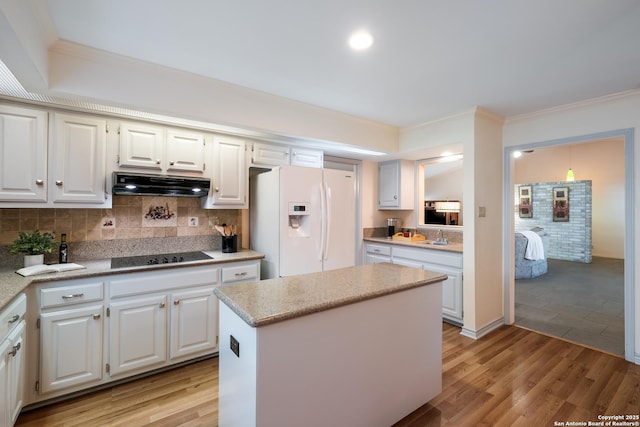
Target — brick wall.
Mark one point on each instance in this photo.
(568, 240)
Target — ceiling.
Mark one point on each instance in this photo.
(429, 59)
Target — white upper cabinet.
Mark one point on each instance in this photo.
(269, 155)
(141, 146)
(230, 180)
(153, 147)
(185, 151)
(396, 184)
(67, 168)
(307, 157)
(23, 154)
(78, 159)
(263, 154)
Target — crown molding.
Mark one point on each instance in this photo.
(572, 106)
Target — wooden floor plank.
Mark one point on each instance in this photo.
(510, 377)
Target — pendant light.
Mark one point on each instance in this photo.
(570, 177)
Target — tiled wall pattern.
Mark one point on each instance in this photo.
(129, 218)
(569, 240)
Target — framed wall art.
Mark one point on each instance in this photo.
(525, 206)
(560, 204)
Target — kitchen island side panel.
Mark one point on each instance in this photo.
(236, 375)
(364, 364)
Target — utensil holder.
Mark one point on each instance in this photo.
(229, 244)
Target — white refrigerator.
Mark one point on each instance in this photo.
(303, 220)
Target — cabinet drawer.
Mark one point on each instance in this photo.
(378, 249)
(143, 283)
(240, 272)
(11, 315)
(432, 256)
(72, 294)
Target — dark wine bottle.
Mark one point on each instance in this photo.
(63, 249)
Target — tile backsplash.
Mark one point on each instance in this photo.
(131, 217)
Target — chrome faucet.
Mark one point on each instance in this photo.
(440, 237)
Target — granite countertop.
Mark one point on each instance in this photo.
(11, 283)
(275, 300)
(422, 244)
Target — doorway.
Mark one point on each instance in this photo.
(612, 219)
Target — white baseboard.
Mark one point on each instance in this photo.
(469, 333)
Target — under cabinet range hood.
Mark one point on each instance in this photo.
(159, 185)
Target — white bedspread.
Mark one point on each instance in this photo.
(535, 249)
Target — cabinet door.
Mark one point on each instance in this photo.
(5, 348)
(396, 184)
(194, 322)
(388, 184)
(230, 183)
(78, 159)
(137, 333)
(185, 151)
(23, 154)
(70, 348)
(451, 292)
(141, 146)
(16, 366)
(269, 154)
(307, 157)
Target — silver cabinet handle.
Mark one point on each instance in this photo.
(96, 316)
(162, 305)
(244, 273)
(14, 319)
(39, 182)
(172, 163)
(157, 161)
(15, 349)
(376, 250)
(217, 189)
(72, 296)
(176, 302)
(58, 182)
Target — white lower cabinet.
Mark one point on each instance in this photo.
(137, 333)
(70, 321)
(12, 360)
(374, 253)
(194, 322)
(445, 262)
(92, 331)
(71, 348)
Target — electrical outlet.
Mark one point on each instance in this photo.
(235, 345)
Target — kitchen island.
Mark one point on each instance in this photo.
(357, 346)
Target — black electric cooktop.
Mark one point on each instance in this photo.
(169, 258)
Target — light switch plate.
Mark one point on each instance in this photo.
(482, 211)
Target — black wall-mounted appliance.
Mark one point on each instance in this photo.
(159, 185)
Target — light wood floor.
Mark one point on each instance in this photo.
(510, 377)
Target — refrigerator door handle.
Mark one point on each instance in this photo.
(323, 225)
(327, 220)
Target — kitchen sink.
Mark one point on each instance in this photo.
(435, 242)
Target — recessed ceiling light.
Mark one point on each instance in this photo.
(360, 40)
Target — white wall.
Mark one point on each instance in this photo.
(600, 161)
(605, 114)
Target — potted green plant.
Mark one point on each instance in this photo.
(34, 245)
